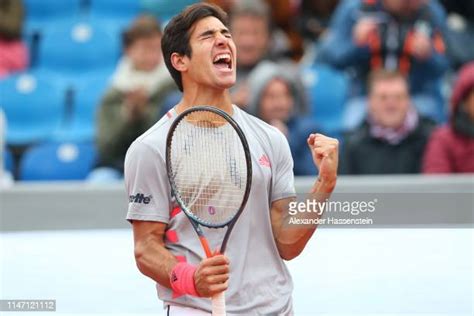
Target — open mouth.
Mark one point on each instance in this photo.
(223, 61)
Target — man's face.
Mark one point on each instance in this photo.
(389, 102)
(145, 53)
(276, 102)
(213, 58)
(251, 37)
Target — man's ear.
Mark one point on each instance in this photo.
(179, 62)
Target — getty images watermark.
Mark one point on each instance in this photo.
(310, 212)
(382, 210)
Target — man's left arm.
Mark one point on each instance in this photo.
(291, 240)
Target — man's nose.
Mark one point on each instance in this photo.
(221, 40)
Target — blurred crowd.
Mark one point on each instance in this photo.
(393, 80)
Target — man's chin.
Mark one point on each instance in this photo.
(393, 125)
(227, 84)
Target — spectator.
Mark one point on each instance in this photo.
(250, 23)
(287, 41)
(277, 97)
(13, 52)
(460, 24)
(407, 36)
(250, 26)
(451, 147)
(314, 17)
(393, 137)
(226, 5)
(132, 102)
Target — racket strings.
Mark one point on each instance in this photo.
(208, 167)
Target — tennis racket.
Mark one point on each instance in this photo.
(210, 173)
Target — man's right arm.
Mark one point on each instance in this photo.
(151, 256)
(155, 261)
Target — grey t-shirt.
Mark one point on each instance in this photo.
(260, 282)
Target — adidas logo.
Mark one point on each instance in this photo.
(264, 161)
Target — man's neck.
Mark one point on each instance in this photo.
(217, 98)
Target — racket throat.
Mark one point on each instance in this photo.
(205, 246)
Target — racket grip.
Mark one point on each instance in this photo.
(218, 304)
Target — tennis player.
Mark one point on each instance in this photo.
(201, 57)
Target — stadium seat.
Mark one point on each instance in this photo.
(57, 161)
(81, 122)
(164, 10)
(327, 93)
(43, 14)
(107, 8)
(117, 13)
(33, 108)
(8, 161)
(74, 49)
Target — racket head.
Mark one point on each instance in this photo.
(209, 166)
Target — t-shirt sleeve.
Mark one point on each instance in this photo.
(146, 183)
(283, 180)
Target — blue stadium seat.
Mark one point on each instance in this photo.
(327, 93)
(57, 161)
(117, 13)
(46, 9)
(108, 8)
(33, 107)
(42, 14)
(82, 119)
(8, 161)
(78, 48)
(164, 10)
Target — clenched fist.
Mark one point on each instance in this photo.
(212, 276)
(325, 152)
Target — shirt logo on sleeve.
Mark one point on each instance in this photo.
(264, 161)
(139, 198)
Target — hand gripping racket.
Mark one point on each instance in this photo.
(210, 173)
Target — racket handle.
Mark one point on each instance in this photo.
(218, 304)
